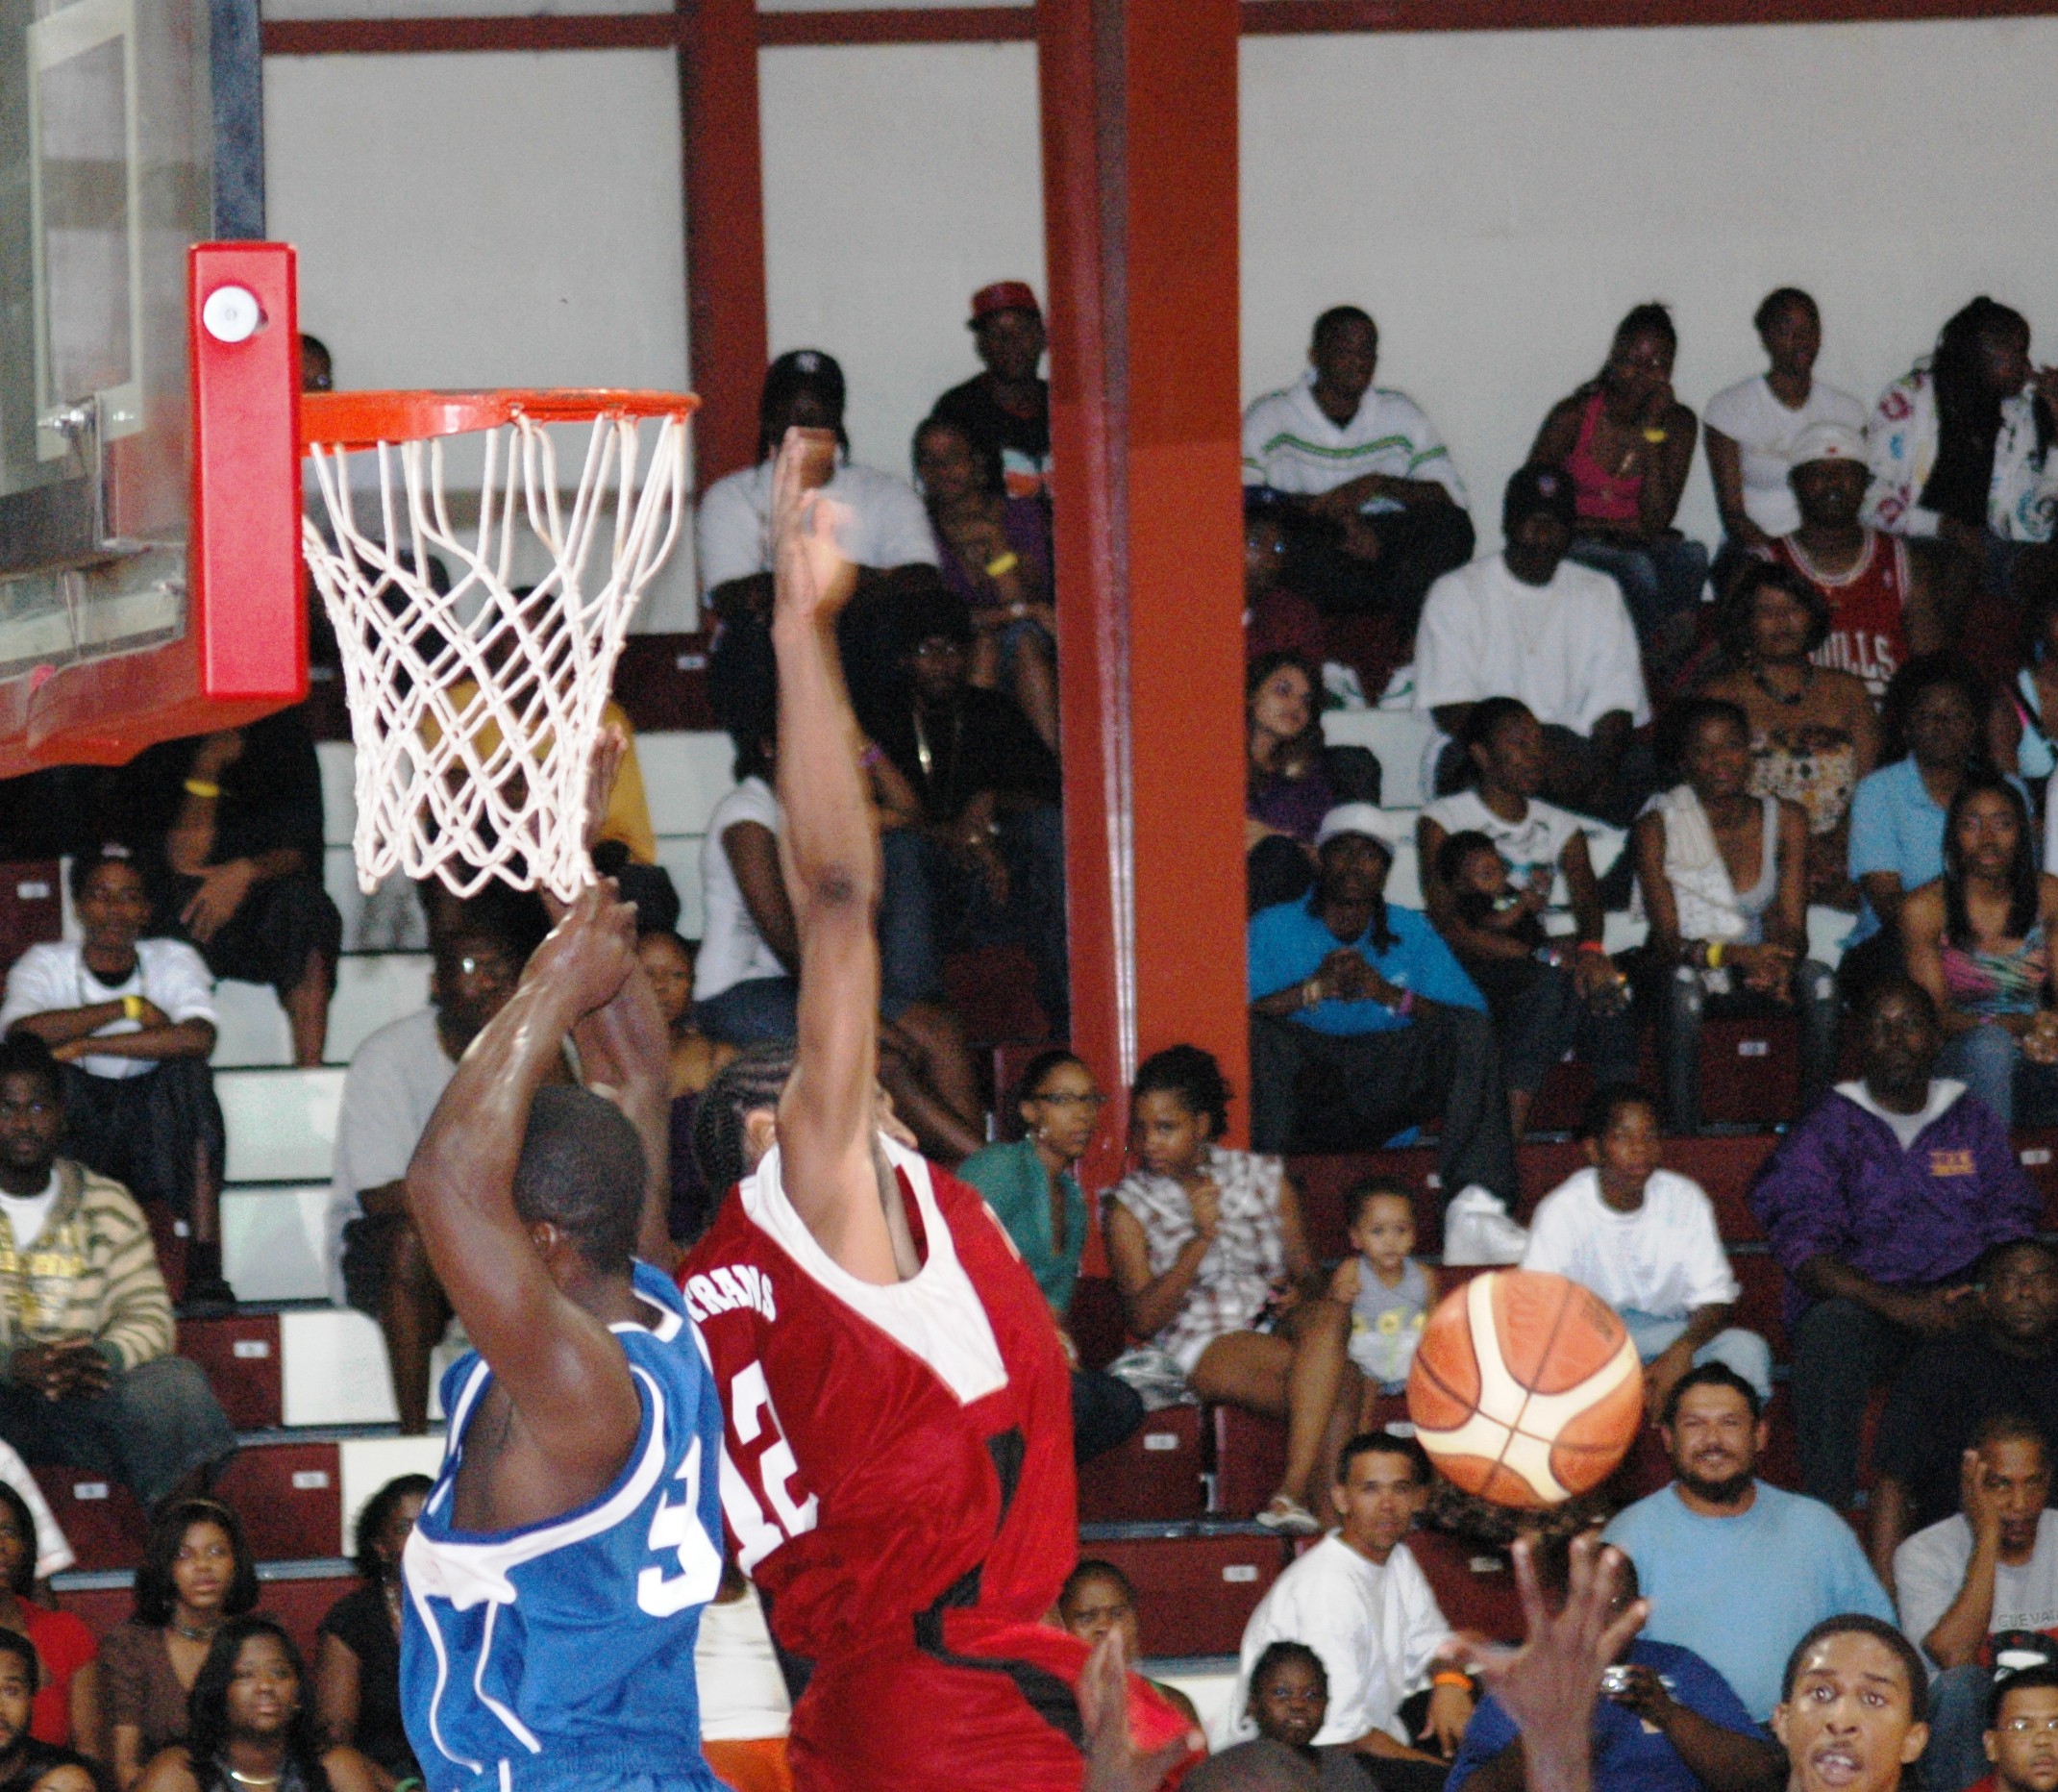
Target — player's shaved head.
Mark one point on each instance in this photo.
(581, 1170)
(1260, 1766)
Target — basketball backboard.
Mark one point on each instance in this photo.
(135, 600)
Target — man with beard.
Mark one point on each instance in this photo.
(1733, 1569)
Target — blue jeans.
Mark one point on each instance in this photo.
(1989, 1062)
(1956, 1757)
(1661, 580)
(756, 1011)
(933, 903)
(1687, 1003)
(1744, 1352)
(149, 1428)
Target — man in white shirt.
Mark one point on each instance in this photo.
(1644, 1240)
(377, 1263)
(1364, 464)
(1359, 1600)
(1530, 624)
(1990, 1568)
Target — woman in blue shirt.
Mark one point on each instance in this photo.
(1032, 1186)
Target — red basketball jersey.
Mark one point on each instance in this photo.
(898, 1482)
(1867, 635)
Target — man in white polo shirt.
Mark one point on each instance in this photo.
(1368, 470)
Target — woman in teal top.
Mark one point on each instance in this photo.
(1032, 1186)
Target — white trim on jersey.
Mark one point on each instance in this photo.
(936, 1314)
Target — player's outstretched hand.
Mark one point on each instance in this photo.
(810, 579)
(1550, 1684)
(591, 951)
(1112, 1762)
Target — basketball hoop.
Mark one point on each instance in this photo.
(475, 711)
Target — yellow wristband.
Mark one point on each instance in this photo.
(131, 1007)
(1715, 955)
(1654, 436)
(199, 787)
(1002, 564)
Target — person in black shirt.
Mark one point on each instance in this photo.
(1952, 1386)
(230, 826)
(987, 862)
(357, 1662)
(1008, 407)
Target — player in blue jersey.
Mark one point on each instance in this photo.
(555, 1578)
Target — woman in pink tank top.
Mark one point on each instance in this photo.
(1627, 443)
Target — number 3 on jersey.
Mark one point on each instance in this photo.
(677, 1528)
(751, 1410)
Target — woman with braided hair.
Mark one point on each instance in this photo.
(897, 1465)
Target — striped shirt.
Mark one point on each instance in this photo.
(1291, 446)
(93, 1269)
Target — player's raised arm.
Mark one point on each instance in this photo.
(566, 1377)
(829, 853)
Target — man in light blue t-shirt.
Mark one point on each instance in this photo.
(1733, 1569)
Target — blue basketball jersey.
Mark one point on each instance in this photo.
(561, 1655)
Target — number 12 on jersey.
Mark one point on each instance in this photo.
(751, 1413)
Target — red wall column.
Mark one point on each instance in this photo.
(1140, 201)
(725, 229)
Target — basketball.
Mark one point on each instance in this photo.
(1525, 1389)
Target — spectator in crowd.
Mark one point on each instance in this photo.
(1213, 1265)
(1097, 1598)
(1666, 1722)
(747, 987)
(1814, 734)
(1276, 617)
(317, 366)
(250, 1722)
(883, 525)
(1362, 1022)
(1961, 446)
(1990, 1568)
(195, 1576)
(1736, 1569)
(1360, 1601)
(1545, 999)
(228, 830)
(985, 861)
(1528, 623)
(2021, 1737)
(1724, 878)
(1879, 1205)
(1851, 1708)
(1366, 463)
(357, 1658)
(2005, 1361)
(1888, 598)
(131, 1022)
(64, 1707)
(1645, 1239)
(2034, 703)
(377, 1263)
(1289, 1704)
(667, 960)
(1934, 713)
(1754, 428)
(85, 1319)
(1978, 939)
(1627, 443)
(1390, 1293)
(995, 556)
(1287, 788)
(1006, 409)
(1032, 1185)
(25, 1756)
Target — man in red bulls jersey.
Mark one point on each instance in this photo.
(896, 1477)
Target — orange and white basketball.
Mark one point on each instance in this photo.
(1525, 1389)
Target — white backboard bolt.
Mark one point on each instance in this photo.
(231, 314)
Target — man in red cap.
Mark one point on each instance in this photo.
(1009, 405)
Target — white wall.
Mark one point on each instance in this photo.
(488, 220)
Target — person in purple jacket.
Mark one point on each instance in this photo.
(1880, 1204)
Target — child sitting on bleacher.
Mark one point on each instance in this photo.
(1389, 1293)
(1485, 897)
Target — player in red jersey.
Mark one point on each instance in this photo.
(898, 1470)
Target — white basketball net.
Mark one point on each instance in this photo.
(476, 712)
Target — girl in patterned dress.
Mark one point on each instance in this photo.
(1214, 1267)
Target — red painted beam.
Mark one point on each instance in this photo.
(723, 146)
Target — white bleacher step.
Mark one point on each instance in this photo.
(281, 1123)
(274, 1241)
(371, 989)
(1398, 740)
(368, 1463)
(334, 1371)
